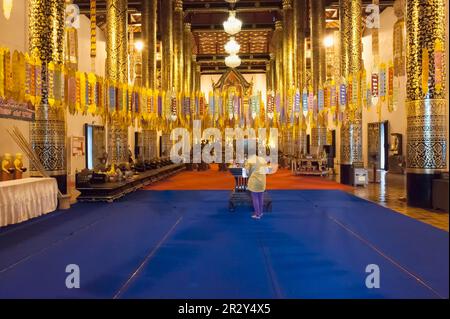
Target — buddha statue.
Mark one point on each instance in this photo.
(18, 166)
(7, 168)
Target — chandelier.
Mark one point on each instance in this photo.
(232, 47)
(233, 61)
(233, 25)
(7, 8)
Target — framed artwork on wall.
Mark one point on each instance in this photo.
(77, 146)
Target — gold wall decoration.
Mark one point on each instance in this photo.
(425, 90)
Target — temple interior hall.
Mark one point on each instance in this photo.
(224, 149)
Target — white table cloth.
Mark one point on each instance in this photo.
(21, 200)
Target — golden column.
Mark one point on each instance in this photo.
(166, 16)
(187, 60)
(178, 47)
(279, 71)
(194, 87)
(117, 71)
(48, 130)
(318, 66)
(149, 37)
(300, 21)
(117, 40)
(426, 96)
(268, 76)
(351, 61)
(288, 49)
(272, 73)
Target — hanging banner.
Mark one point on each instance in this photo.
(321, 99)
(383, 82)
(439, 66)
(305, 102)
(298, 102)
(375, 89)
(390, 84)
(342, 97)
(333, 96)
(270, 105)
(93, 14)
(395, 93)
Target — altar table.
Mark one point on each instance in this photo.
(24, 199)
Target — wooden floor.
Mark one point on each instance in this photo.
(391, 193)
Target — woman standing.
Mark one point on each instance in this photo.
(256, 167)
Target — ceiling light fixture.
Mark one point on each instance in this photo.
(233, 61)
(232, 47)
(233, 25)
(7, 8)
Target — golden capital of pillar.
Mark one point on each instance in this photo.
(272, 56)
(399, 8)
(278, 25)
(178, 4)
(194, 58)
(287, 4)
(187, 27)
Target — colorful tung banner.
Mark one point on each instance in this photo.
(375, 89)
(342, 97)
(270, 105)
(305, 102)
(439, 65)
(383, 82)
(298, 103)
(390, 95)
(321, 99)
(93, 13)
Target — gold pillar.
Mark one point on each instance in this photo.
(48, 130)
(288, 47)
(426, 96)
(194, 87)
(318, 66)
(187, 59)
(117, 71)
(149, 37)
(278, 36)
(272, 73)
(268, 76)
(178, 47)
(351, 58)
(300, 21)
(167, 60)
(117, 40)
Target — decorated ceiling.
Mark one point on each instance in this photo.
(206, 18)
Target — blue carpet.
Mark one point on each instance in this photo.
(185, 244)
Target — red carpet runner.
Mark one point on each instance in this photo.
(215, 180)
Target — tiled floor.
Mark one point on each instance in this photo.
(391, 193)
